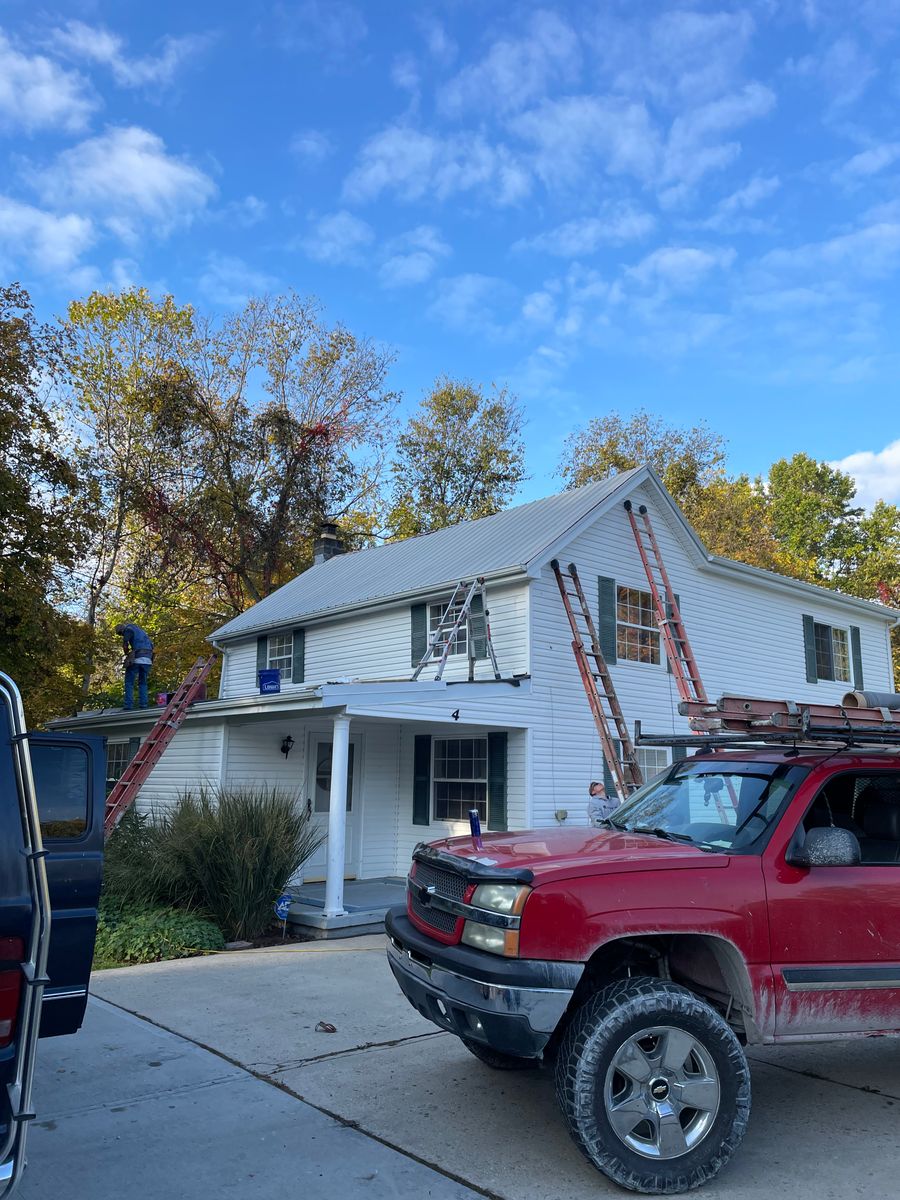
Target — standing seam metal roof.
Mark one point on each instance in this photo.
(506, 541)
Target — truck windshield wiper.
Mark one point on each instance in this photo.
(663, 833)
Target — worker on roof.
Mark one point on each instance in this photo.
(138, 650)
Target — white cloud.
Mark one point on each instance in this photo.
(679, 268)
(332, 28)
(876, 472)
(405, 74)
(338, 239)
(46, 241)
(869, 162)
(126, 176)
(247, 212)
(586, 235)
(732, 213)
(440, 45)
(467, 302)
(572, 136)
(95, 44)
(231, 282)
(37, 93)
(843, 71)
(695, 146)
(872, 251)
(415, 164)
(516, 70)
(413, 257)
(311, 145)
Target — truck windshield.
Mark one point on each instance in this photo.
(728, 806)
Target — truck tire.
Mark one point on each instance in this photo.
(654, 1086)
(497, 1059)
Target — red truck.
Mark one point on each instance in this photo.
(742, 898)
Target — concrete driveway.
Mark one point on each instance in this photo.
(233, 1092)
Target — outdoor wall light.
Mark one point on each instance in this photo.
(287, 745)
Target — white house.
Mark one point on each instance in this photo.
(411, 758)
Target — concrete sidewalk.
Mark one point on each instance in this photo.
(128, 1111)
(824, 1123)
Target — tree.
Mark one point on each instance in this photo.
(733, 518)
(814, 518)
(685, 459)
(44, 523)
(460, 457)
(118, 346)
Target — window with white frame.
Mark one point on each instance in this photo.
(459, 645)
(459, 778)
(118, 756)
(832, 653)
(281, 654)
(637, 633)
(652, 760)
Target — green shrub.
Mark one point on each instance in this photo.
(227, 852)
(127, 935)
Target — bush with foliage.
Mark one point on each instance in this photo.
(226, 852)
(127, 935)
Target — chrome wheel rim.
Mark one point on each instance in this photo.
(662, 1092)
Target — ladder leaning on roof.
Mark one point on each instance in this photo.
(457, 615)
(603, 700)
(124, 792)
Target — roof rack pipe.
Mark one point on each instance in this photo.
(871, 700)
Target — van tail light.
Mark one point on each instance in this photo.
(12, 952)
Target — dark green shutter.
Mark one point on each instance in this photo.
(419, 632)
(496, 764)
(298, 665)
(856, 655)
(609, 781)
(422, 779)
(670, 614)
(678, 752)
(262, 655)
(134, 744)
(809, 649)
(478, 626)
(606, 629)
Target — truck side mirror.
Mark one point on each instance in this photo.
(827, 847)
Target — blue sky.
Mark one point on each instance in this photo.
(605, 205)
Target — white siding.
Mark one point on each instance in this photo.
(193, 757)
(377, 645)
(747, 638)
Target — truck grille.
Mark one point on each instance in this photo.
(445, 883)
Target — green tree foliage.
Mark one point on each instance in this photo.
(814, 517)
(685, 459)
(45, 525)
(460, 457)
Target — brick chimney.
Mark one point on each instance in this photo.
(327, 544)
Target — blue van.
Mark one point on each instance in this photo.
(52, 801)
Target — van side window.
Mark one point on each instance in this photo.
(61, 775)
(869, 806)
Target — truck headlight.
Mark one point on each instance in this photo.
(507, 898)
(484, 937)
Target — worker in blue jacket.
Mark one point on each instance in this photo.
(138, 650)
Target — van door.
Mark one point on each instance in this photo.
(69, 782)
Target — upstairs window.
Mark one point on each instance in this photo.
(460, 643)
(637, 634)
(281, 655)
(832, 653)
(118, 756)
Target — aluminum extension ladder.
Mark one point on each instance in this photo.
(124, 792)
(457, 614)
(604, 703)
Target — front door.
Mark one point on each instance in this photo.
(319, 795)
(836, 930)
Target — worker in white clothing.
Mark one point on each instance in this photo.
(600, 806)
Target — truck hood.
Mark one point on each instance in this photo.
(563, 853)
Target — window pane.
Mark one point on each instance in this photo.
(840, 654)
(61, 785)
(824, 658)
(281, 655)
(459, 778)
(637, 633)
(322, 797)
(460, 641)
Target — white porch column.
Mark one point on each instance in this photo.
(337, 818)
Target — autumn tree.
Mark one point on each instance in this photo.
(461, 456)
(684, 458)
(44, 523)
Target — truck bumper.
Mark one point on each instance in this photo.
(512, 1005)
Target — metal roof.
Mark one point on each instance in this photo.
(503, 543)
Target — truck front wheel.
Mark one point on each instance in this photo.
(654, 1086)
